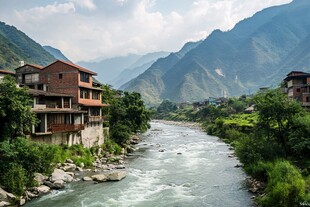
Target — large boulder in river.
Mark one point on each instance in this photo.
(42, 189)
(58, 184)
(61, 175)
(100, 177)
(116, 175)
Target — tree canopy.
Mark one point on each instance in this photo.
(16, 117)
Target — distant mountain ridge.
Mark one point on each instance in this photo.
(118, 70)
(137, 68)
(56, 53)
(257, 52)
(16, 46)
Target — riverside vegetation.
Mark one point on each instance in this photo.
(273, 142)
(21, 158)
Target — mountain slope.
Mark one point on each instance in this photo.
(150, 83)
(268, 44)
(57, 54)
(17, 46)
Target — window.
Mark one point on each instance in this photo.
(96, 95)
(84, 93)
(60, 75)
(32, 78)
(84, 77)
(298, 90)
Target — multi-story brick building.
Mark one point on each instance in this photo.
(297, 86)
(67, 102)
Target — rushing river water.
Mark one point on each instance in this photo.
(193, 170)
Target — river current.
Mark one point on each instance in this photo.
(175, 166)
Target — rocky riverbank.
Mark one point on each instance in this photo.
(107, 168)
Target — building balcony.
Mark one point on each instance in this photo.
(305, 103)
(66, 127)
(89, 119)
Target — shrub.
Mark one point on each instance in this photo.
(14, 179)
(251, 149)
(286, 186)
(112, 147)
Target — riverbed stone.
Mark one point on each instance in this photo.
(79, 169)
(22, 201)
(5, 196)
(58, 184)
(116, 175)
(42, 189)
(31, 195)
(4, 203)
(100, 177)
(69, 167)
(69, 161)
(40, 178)
(59, 174)
(87, 178)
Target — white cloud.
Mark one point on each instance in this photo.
(40, 13)
(116, 27)
(88, 4)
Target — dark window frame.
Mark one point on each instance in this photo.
(84, 77)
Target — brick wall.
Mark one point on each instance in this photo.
(61, 78)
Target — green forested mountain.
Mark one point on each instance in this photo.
(150, 83)
(258, 51)
(16, 46)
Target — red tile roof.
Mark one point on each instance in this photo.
(75, 66)
(7, 72)
(35, 66)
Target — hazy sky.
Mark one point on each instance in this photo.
(89, 29)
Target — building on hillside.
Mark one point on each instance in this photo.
(215, 101)
(6, 72)
(67, 102)
(297, 86)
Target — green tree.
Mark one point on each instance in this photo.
(276, 112)
(166, 106)
(128, 114)
(299, 137)
(16, 117)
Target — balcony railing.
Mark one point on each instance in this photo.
(66, 127)
(89, 119)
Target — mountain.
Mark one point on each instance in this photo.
(109, 69)
(150, 83)
(258, 51)
(137, 68)
(16, 46)
(57, 54)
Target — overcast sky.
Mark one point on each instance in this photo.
(90, 29)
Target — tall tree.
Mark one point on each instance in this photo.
(276, 113)
(16, 117)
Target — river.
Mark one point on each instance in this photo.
(174, 166)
